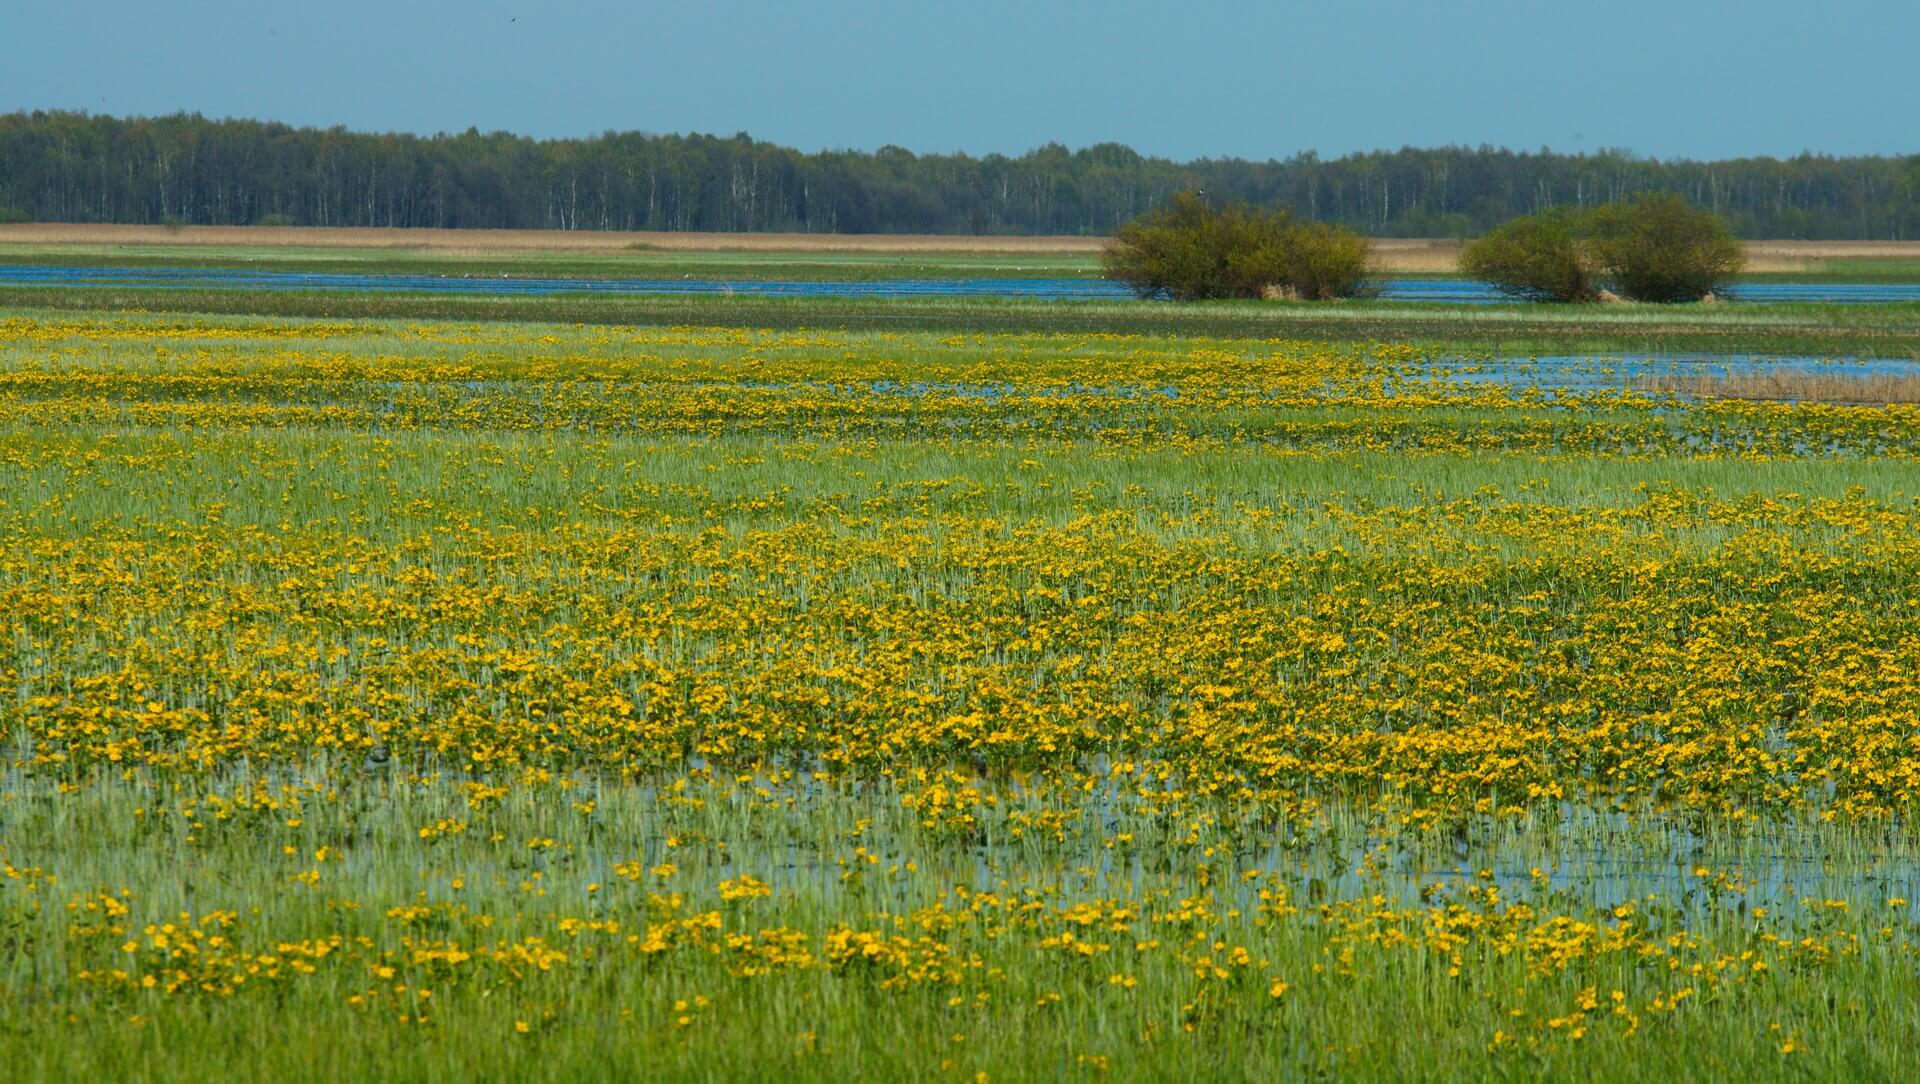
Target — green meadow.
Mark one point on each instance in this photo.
(434, 688)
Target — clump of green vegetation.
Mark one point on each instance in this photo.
(1660, 248)
(1655, 248)
(1538, 258)
(1324, 263)
(12, 215)
(1190, 251)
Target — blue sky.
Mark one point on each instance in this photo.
(1181, 78)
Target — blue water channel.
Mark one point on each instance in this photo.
(1452, 291)
(1561, 374)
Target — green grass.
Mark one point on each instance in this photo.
(335, 649)
(1863, 270)
(607, 1012)
(1870, 330)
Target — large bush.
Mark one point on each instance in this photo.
(1190, 251)
(1325, 262)
(1654, 248)
(1660, 248)
(1538, 258)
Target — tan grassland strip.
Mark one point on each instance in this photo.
(1392, 253)
(1415, 254)
(481, 241)
(1763, 257)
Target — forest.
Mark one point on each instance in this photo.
(187, 169)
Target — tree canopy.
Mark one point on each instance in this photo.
(76, 167)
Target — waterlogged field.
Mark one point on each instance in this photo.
(412, 701)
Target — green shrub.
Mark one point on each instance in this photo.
(1189, 251)
(275, 219)
(1660, 248)
(1326, 262)
(12, 215)
(1185, 250)
(1653, 248)
(1538, 258)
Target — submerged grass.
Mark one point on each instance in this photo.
(430, 700)
(1867, 330)
(370, 923)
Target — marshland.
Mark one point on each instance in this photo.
(554, 699)
(821, 605)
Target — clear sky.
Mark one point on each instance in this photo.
(1180, 78)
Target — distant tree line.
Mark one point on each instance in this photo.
(75, 167)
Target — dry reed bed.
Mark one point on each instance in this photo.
(1790, 386)
(472, 241)
(1392, 254)
(1763, 257)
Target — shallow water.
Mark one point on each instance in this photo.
(1584, 373)
(1448, 291)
